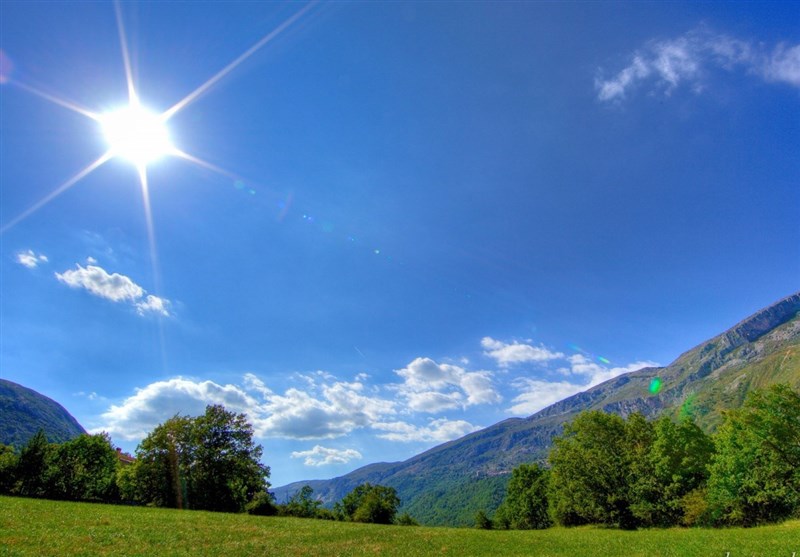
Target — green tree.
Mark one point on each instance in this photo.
(525, 506)
(675, 465)
(8, 468)
(226, 468)
(755, 473)
(302, 504)
(163, 464)
(369, 503)
(31, 470)
(209, 462)
(83, 469)
(594, 467)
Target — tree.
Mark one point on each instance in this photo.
(162, 469)
(8, 468)
(675, 465)
(591, 470)
(302, 504)
(369, 503)
(755, 473)
(83, 469)
(226, 468)
(209, 462)
(525, 506)
(32, 467)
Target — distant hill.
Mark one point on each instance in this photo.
(23, 412)
(448, 483)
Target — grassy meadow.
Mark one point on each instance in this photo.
(40, 527)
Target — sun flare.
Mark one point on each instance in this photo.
(137, 135)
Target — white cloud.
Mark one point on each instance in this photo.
(114, 287)
(689, 58)
(137, 415)
(536, 394)
(336, 409)
(440, 431)
(30, 259)
(324, 456)
(516, 352)
(432, 387)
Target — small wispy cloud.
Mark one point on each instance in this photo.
(324, 456)
(30, 259)
(114, 287)
(688, 59)
(516, 352)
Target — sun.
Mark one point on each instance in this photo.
(136, 134)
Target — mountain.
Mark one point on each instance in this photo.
(23, 412)
(448, 483)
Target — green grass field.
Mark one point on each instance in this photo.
(38, 527)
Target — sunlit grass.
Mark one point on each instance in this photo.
(37, 527)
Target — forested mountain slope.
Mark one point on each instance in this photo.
(23, 412)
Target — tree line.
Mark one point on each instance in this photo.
(631, 472)
(208, 462)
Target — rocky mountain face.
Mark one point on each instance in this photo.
(23, 412)
(448, 483)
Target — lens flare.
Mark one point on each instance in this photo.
(655, 385)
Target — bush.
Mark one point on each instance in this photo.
(405, 519)
(261, 504)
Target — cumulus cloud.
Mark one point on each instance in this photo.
(689, 58)
(324, 456)
(432, 387)
(439, 430)
(31, 259)
(333, 410)
(516, 352)
(113, 287)
(138, 414)
(338, 409)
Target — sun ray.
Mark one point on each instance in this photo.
(126, 58)
(204, 164)
(191, 97)
(53, 99)
(58, 191)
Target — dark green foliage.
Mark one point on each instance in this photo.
(755, 474)
(590, 474)
(208, 463)
(83, 469)
(526, 504)
(405, 519)
(8, 469)
(369, 503)
(23, 412)
(675, 466)
(302, 504)
(482, 521)
(262, 504)
(454, 502)
(629, 473)
(31, 474)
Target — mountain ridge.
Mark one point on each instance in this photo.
(762, 349)
(24, 411)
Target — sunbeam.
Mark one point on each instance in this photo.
(126, 59)
(53, 99)
(58, 191)
(191, 97)
(204, 164)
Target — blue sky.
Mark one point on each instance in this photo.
(400, 222)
